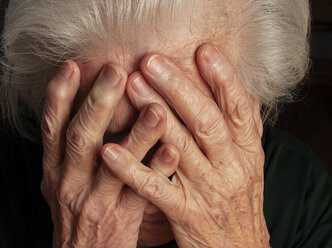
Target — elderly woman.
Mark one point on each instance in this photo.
(151, 114)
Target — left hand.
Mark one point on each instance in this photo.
(215, 198)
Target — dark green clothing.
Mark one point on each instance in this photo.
(297, 203)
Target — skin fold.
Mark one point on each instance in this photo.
(209, 128)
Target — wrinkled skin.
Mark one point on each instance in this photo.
(215, 198)
(89, 206)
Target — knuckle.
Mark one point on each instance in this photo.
(139, 136)
(65, 195)
(151, 188)
(240, 112)
(48, 129)
(223, 139)
(183, 143)
(56, 93)
(96, 221)
(90, 110)
(96, 102)
(209, 123)
(89, 118)
(91, 212)
(100, 99)
(209, 128)
(77, 142)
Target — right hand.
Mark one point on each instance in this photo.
(89, 206)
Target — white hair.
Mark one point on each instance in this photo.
(271, 39)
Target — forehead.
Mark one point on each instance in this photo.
(177, 38)
(181, 50)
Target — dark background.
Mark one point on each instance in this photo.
(310, 117)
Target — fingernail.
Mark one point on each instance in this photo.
(156, 64)
(111, 153)
(140, 87)
(167, 156)
(211, 55)
(112, 75)
(151, 118)
(66, 70)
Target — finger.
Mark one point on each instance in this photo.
(149, 184)
(59, 97)
(199, 112)
(224, 82)
(147, 130)
(192, 161)
(130, 203)
(165, 160)
(86, 130)
(145, 133)
(104, 196)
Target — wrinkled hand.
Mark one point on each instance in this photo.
(89, 206)
(215, 198)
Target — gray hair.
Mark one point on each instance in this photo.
(271, 39)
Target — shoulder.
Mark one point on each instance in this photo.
(297, 192)
(287, 152)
